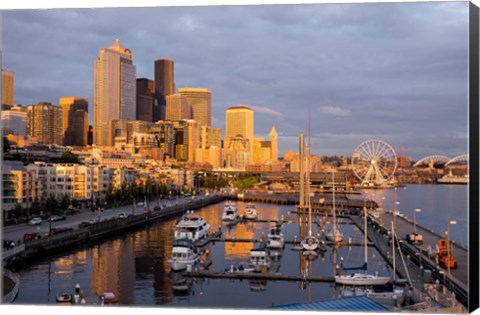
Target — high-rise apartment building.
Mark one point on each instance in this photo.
(145, 99)
(164, 86)
(8, 86)
(74, 120)
(114, 93)
(14, 121)
(44, 122)
(178, 107)
(200, 100)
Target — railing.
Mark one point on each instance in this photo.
(10, 297)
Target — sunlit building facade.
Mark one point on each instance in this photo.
(74, 121)
(44, 122)
(164, 86)
(200, 100)
(8, 87)
(178, 107)
(14, 121)
(114, 91)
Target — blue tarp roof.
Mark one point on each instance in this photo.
(356, 303)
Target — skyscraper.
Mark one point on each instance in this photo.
(114, 94)
(7, 87)
(274, 144)
(14, 121)
(44, 122)
(74, 120)
(201, 102)
(164, 86)
(145, 99)
(239, 121)
(178, 107)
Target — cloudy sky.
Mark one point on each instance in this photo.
(396, 72)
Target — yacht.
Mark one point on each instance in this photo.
(260, 259)
(183, 255)
(191, 227)
(275, 239)
(362, 279)
(250, 212)
(230, 212)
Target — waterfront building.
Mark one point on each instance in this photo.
(59, 179)
(179, 178)
(44, 122)
(200, 100)
(111, 157)
(14, 121)
(164, 86)
(178, 107)
(210, 137)
(145, 99)
(74, 120)
(114, 93)
(18, 187)
(8, 87)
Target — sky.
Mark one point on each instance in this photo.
(396, 72)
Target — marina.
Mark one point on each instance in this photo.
(229, 247)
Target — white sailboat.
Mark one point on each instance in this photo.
(310, 242)
(335, 235)
(364, 279)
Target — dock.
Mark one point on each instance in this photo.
(257, 276)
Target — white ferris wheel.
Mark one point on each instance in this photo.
(374, 162)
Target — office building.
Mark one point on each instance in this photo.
(14, 121)
(8, 86)
(178, 107)
(200, 100)
(145, 99)
(74, 120)
(239, 121)
(114, 94)
(164, 86)
(44, 122)
(210, 137)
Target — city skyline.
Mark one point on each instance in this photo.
(281, 61)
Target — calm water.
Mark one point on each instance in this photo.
(135, 266)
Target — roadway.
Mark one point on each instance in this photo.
(16, 232)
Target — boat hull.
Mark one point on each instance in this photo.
(348, 280)
(180, 264)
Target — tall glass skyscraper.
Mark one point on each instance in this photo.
(114, 93)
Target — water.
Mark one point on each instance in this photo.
(135, 265)
(438, 203)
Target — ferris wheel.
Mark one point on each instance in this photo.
(374, 162)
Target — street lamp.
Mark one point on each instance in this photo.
(448, 244)
(415, 222)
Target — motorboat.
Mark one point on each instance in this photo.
(250, 212)
(64, 298)
(183, 255)
(191, 227)
(230, 212)
(362, 279)
(260, 259)
(275, 239)
(108, 298)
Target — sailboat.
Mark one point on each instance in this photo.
(365, 279)
(335, 235)
(309, 243)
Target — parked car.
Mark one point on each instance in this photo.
(35, 221)
(31, 236)
(57, 217)
(122, 215)
(86, 223)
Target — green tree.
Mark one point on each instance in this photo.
(110, 194)
(69, 157)
(18, 211)
(6, 145)
(51, 204)
(35, 207)
(65, 202)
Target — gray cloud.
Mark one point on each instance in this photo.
(395, 71)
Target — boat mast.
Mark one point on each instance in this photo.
(365, 234)
(307, 162)
(334, 211)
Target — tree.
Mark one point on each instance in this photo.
(6, 145)
(18, 211)
(51, 204)
(65, 202)
(69, 157)
(35, 207)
